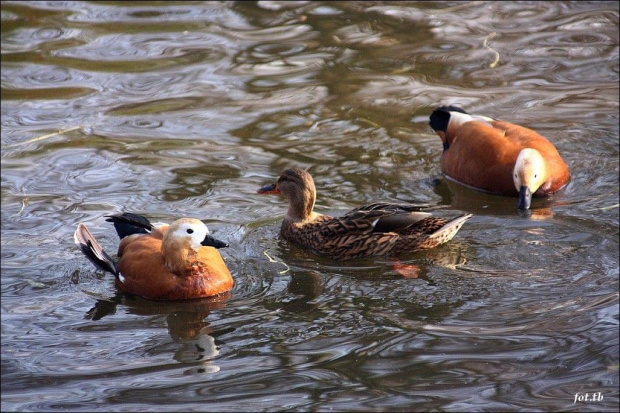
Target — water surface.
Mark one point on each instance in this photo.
(186, 108)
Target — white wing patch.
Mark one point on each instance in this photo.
(374, 223)
(158, 225)
(458, 118)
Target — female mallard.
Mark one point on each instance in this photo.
(376, 229)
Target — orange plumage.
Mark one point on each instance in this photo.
(498, 157)
(173, 262)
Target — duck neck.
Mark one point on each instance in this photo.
(301, 205)
(178, 255)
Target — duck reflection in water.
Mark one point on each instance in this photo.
(185, 321)
(480, 203)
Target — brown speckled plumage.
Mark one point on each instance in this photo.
(377, 229)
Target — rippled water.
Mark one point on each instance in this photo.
(185, 109)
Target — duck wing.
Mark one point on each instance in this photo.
(389, 206)
(129, 224)
(375, 218)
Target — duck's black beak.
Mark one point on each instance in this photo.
(525, 197)
(269, 189)
(209, 241)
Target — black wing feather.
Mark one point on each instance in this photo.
(128, 224)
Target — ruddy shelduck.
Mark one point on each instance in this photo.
(379, 229)
(163, 262)
(498, 157)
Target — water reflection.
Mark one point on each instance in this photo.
(480, 203)
(186, 321)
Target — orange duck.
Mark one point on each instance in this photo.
(498, 157)
(164, 262)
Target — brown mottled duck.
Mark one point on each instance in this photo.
(379, 229)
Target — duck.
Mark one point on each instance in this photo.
(377, 229)
(498, 157)
(176, 261)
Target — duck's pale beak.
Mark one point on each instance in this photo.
(209, 241)
(525, 197)
(269, 189)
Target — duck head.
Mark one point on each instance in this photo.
(297, 186)
(182, 240)
(529, 174)
(193, 231)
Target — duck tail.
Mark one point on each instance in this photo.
(128, 224)
(449, 230)
(93, 250)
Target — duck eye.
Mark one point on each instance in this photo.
(535, 176)
(190, 231)
(515, 175)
